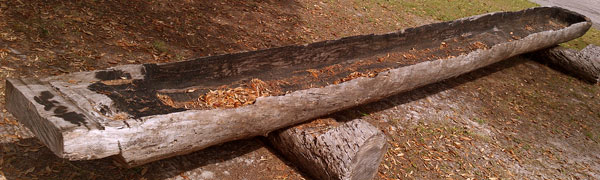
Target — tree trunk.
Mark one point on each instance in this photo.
(326, 149)
(584, 64)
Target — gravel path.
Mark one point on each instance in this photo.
(589, 8)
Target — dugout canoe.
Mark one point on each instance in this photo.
(146, 112)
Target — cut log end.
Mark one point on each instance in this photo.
(368, 158)
(325, 149)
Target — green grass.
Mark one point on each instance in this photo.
(526, 147)
(446, 10)
(479, 120)
(591, 37)
(160, 46)
(592, 137)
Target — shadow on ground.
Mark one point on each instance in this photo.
(20, 157)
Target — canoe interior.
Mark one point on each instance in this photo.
(180, 86)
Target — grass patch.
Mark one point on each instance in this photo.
(592, 137)
(526, 147)
(447, 10)
(43, 32)
(160, 46)
(591, 37)
(479, 120)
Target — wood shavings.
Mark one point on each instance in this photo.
(120, 116)
(355, 75)
(236, 97)
(117, 82)
(313, 72)
(477, 45)
(225, 97)
(528, 28)
(165, 99)
(443, 45)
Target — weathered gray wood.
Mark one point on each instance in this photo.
(328, 150)
(53, 119)
(584, 64)
(591, 56)
(109, 128)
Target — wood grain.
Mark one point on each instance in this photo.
(351, 150)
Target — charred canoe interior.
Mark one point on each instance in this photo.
(234, 80)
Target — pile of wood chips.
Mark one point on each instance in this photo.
(355, 75)
(477, 45)
(224, 97)
(236, 97)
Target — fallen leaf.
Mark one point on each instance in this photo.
(465, 138)
(88, 33)
(31, 169)
(144, 170)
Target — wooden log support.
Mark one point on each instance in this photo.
(143, 113)
(584, 64)
(326, 149)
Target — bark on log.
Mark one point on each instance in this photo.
(584, 64)
(326, 149)
(120, 112)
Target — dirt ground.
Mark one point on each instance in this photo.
(517, 119)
